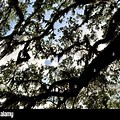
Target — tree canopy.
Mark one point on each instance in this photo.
(57, 55)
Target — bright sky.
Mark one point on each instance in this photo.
(46, 62)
